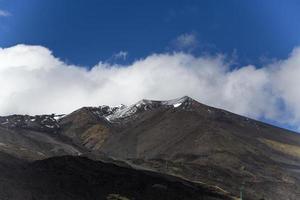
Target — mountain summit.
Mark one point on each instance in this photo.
(214, 148)
(121, 112)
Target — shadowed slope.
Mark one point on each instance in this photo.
(80, 178)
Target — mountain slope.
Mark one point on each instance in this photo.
(81, 178)
(207, 144)
(34, 137)
(181, 137)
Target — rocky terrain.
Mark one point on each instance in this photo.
(182, 138)
(77, 178)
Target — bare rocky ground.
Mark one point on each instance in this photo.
(78, 178)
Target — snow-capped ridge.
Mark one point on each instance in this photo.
(178, 102)
(110, 113)
(146, 104)
(37, 122)
(167, 102)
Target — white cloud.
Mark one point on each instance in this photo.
(4, 13)
(186, 41)
(121, 55)
(286, 83)
(33, 81)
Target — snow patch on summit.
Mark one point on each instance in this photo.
(143, 105)
(177, 102)
(177, 105)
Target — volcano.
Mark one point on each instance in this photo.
(179, 148)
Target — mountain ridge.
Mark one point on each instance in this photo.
(106, 111)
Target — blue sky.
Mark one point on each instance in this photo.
(84, 32)
(242, 56)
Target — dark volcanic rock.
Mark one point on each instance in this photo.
(80, 178)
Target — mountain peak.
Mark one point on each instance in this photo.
(177, 102)
(146, 104)
(166, 102)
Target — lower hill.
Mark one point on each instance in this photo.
(79, 178)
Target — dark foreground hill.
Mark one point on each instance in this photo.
(180, 137)
(79, 178)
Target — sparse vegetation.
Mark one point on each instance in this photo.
(116, 197)
(289, 149)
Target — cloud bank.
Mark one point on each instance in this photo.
(33, 81)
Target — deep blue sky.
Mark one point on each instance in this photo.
(86, 31)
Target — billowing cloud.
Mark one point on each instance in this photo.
(33, 81)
